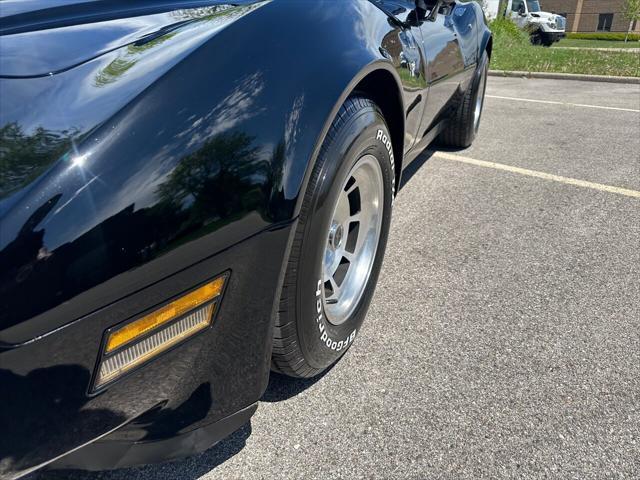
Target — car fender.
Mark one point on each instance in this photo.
(484, 34)
(172, 151)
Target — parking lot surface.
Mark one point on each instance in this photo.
(504, 336)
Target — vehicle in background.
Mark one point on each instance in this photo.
(545, 27)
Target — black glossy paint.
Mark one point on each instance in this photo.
(148, 146)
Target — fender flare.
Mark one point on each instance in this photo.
(377, 65)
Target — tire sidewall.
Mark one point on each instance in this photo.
(321, 342)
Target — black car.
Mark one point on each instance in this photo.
(196, 193)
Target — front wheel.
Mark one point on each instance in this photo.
(339, 243)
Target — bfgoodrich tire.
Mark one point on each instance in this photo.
(463, 126)
(339, 243)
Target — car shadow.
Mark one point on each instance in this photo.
(414, 167)
(190, 468)
(280, 388)
(424, 157)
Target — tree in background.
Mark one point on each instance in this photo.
(499, 5)
(631, 11)
(502, 9)
(483, 4)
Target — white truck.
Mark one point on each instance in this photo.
(545, 27)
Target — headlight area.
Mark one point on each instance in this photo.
(127, 347)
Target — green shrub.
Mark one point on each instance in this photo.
(617, 36)
(507, 34)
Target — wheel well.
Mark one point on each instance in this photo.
(489, 46)
(381, 87)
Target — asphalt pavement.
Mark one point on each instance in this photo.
(504, 336)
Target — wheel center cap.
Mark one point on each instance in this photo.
(336, 234)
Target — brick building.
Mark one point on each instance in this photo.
(591, 15)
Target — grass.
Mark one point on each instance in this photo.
(580, 43)
(513, 51)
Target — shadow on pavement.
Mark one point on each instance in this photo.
(279, 388)
(282, 387)
(414, 166)
(190, 468)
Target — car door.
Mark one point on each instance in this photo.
(518, 12)
(445, 63)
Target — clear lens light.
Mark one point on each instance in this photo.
(141, 340)
(139, 352)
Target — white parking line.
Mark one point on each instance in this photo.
(533, 173)
(551, 102)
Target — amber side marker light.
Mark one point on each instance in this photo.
(137, 342)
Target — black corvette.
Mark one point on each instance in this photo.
(196, 193)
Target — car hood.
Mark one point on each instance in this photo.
(543, 16)
(61, 34)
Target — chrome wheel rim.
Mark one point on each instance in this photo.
(477, 112)
(352, 240)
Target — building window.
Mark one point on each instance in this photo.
(604, 22)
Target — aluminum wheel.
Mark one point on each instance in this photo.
(353, 238)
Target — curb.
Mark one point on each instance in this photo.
(599, 49)
(565, 76)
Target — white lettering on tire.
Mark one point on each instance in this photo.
(324, 336)
(386, 141)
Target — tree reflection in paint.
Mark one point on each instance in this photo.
(23, 157)
(213, 180)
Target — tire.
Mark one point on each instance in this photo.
(536, 38)
(464, 124)
(546, 39)
(315, 324)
